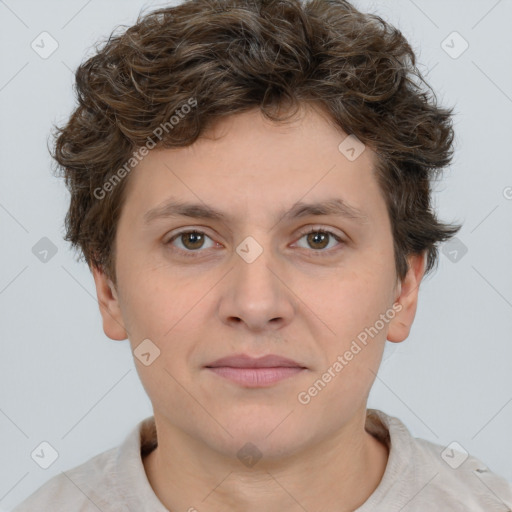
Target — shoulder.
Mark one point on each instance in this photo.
(79, 488)
(461, 474)
(426, 473)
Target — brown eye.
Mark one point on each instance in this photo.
(192, 239)
(189, 242)
(319, 239)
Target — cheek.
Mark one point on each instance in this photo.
(171, 311)
(155, 294)
(351, 300)
(353, 311)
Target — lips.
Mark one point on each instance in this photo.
(255, 372)
(245, 361)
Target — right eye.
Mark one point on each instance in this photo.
(191, 241)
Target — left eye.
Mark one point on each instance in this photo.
(320, 238)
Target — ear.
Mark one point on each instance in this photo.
(408, 289)
(113, 324)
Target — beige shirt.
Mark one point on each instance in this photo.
(420, 476)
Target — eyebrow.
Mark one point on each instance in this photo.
(333, 206)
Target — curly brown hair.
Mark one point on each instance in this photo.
(234, 55)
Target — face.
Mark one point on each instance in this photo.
(256, 282)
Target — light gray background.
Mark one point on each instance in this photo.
(63, 381)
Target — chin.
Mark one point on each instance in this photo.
(267, 437)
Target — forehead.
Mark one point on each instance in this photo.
(250, 161)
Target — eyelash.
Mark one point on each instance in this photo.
(196, 253)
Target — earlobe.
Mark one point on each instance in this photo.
(108, 301)
(408, 290)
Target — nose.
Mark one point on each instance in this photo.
(256, 294)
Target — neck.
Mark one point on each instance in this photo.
(337, 474)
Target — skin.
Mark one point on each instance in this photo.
(301, 299)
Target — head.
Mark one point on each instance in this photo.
(246, 108)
